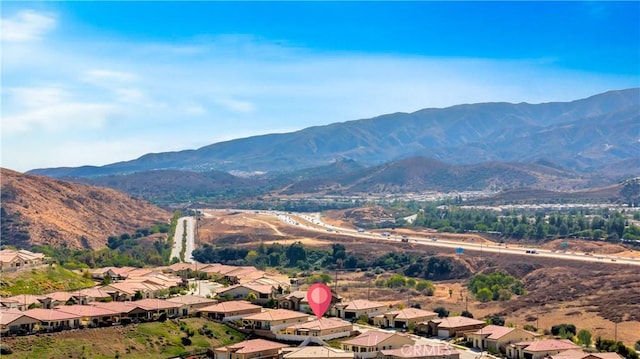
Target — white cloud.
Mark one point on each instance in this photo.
(37, 96)
(100, 76)
(26, 25)
(234, 105)
(54, 114)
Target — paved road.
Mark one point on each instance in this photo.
(177, 239)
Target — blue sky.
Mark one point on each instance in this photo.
(91, 83)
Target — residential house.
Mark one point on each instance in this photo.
(192, 303)
(310, 352)
(539, 349)
(92, 316)
(234, 276)
(450, 326)
(22, 301)
(55, 299)
(403, 318)
(297, 300)
(254, 348)
(322, 328)
(112, 274)
(129, 311)
(14, 260)
(579, 354)
(6, 303)
(420, 352)
(293, 301)
(53, 320)
(126, 290)
(495, 337)
(263, 293)
(88, 295)
(13, 321)
(357, 308)
(369, 343)
(229, 311)
(274, 320)
(157, 307)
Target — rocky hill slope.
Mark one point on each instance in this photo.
(41, 210)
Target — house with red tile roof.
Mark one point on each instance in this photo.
(403, 318)
(263, 293)
(450, 326)
(129, 310)
(14, 260)
(579, 354)
(369, 343)
(355, 309)
(310, 352)
(274, 319)
(13, 321)
(92, 316)
(53, 320)
(539, 349)
(421, 352)
(323, 328)
(113, 273)
(192, 303)
(255, 348)
(22, 301)
(497, 338)
(229, 311)
(157, 307)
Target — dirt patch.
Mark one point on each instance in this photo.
(576, 245)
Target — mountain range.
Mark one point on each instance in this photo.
(586, 135)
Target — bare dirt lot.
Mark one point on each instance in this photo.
(593, 296)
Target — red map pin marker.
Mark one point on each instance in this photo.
(319, 298)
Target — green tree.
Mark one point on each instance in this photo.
(442, 312)
(396, 280)
(484, 295)
(466, 313)
(584, 337)
(296, 252)
(251, 297)
(251, 257)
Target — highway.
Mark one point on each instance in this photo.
(177, 239)
(313, 222)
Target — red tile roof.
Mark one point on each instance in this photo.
(276, 314)
(47, 315)
(323, 323)
(455, 322)
(87, 310)
(231, 306)
(369, 338)
(252, 346)
(361, 304)
(546, 345)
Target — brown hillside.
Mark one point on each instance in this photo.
(41, 210)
